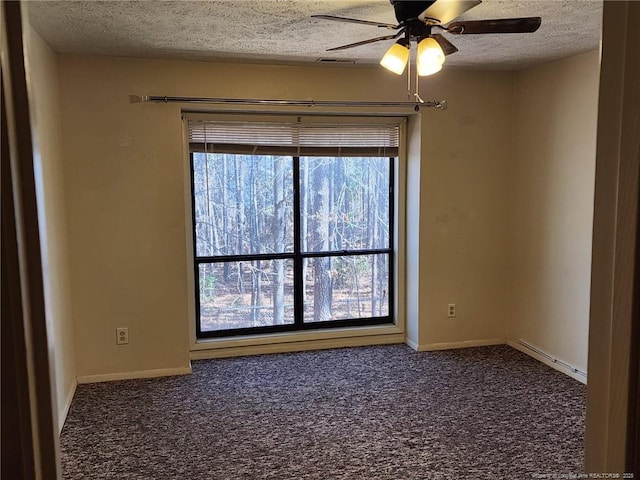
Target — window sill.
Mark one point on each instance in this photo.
(296, 341)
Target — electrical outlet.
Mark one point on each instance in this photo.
(122, 336)
(451, 310)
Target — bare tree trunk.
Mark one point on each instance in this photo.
(225, 215)
(254, 212)
(216, 236)
(240, 216)
(239, 206)
(322, 265)
(240, 283)
(254, 246)
(256, 292)
(356, 282)
(279, 236)
(374, 189)
(304, 206)
(331, 170)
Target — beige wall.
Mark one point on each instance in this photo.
(43, 82)
(124, 173)
(412, 237)
(466, 152)
(551, 202)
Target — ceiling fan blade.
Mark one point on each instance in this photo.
(365, 42)
(443, 11)
(355, 20)
(506, 25)
(447, 47)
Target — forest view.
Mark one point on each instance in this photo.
(245, 231)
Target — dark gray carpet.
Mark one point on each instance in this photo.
(358, 413)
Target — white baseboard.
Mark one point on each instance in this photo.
(305, 345)
(159, 372)
(546, 361)
(430, 347)
(64, 411)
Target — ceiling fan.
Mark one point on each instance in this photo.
(418, 21)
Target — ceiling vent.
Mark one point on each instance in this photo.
(336, 60)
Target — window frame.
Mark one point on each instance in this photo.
(297, 256)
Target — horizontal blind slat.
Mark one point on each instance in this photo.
(285, 138)
(317, 151)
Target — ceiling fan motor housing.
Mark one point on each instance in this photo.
(417, 18)
(407, 9)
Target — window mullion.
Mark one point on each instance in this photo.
(195, 247)
(391, 280)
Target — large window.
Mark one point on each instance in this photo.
(292, 229)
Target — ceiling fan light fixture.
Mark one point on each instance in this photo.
(430, 57)
(425, 70)
(397, 57)
(417, 19)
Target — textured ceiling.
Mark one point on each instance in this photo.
(282, 30)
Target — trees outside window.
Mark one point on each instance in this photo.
(286, 242)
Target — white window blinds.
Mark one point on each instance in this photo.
(294, 138)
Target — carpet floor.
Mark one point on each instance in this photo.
(372, 413)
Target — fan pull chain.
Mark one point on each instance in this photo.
(417, 94)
